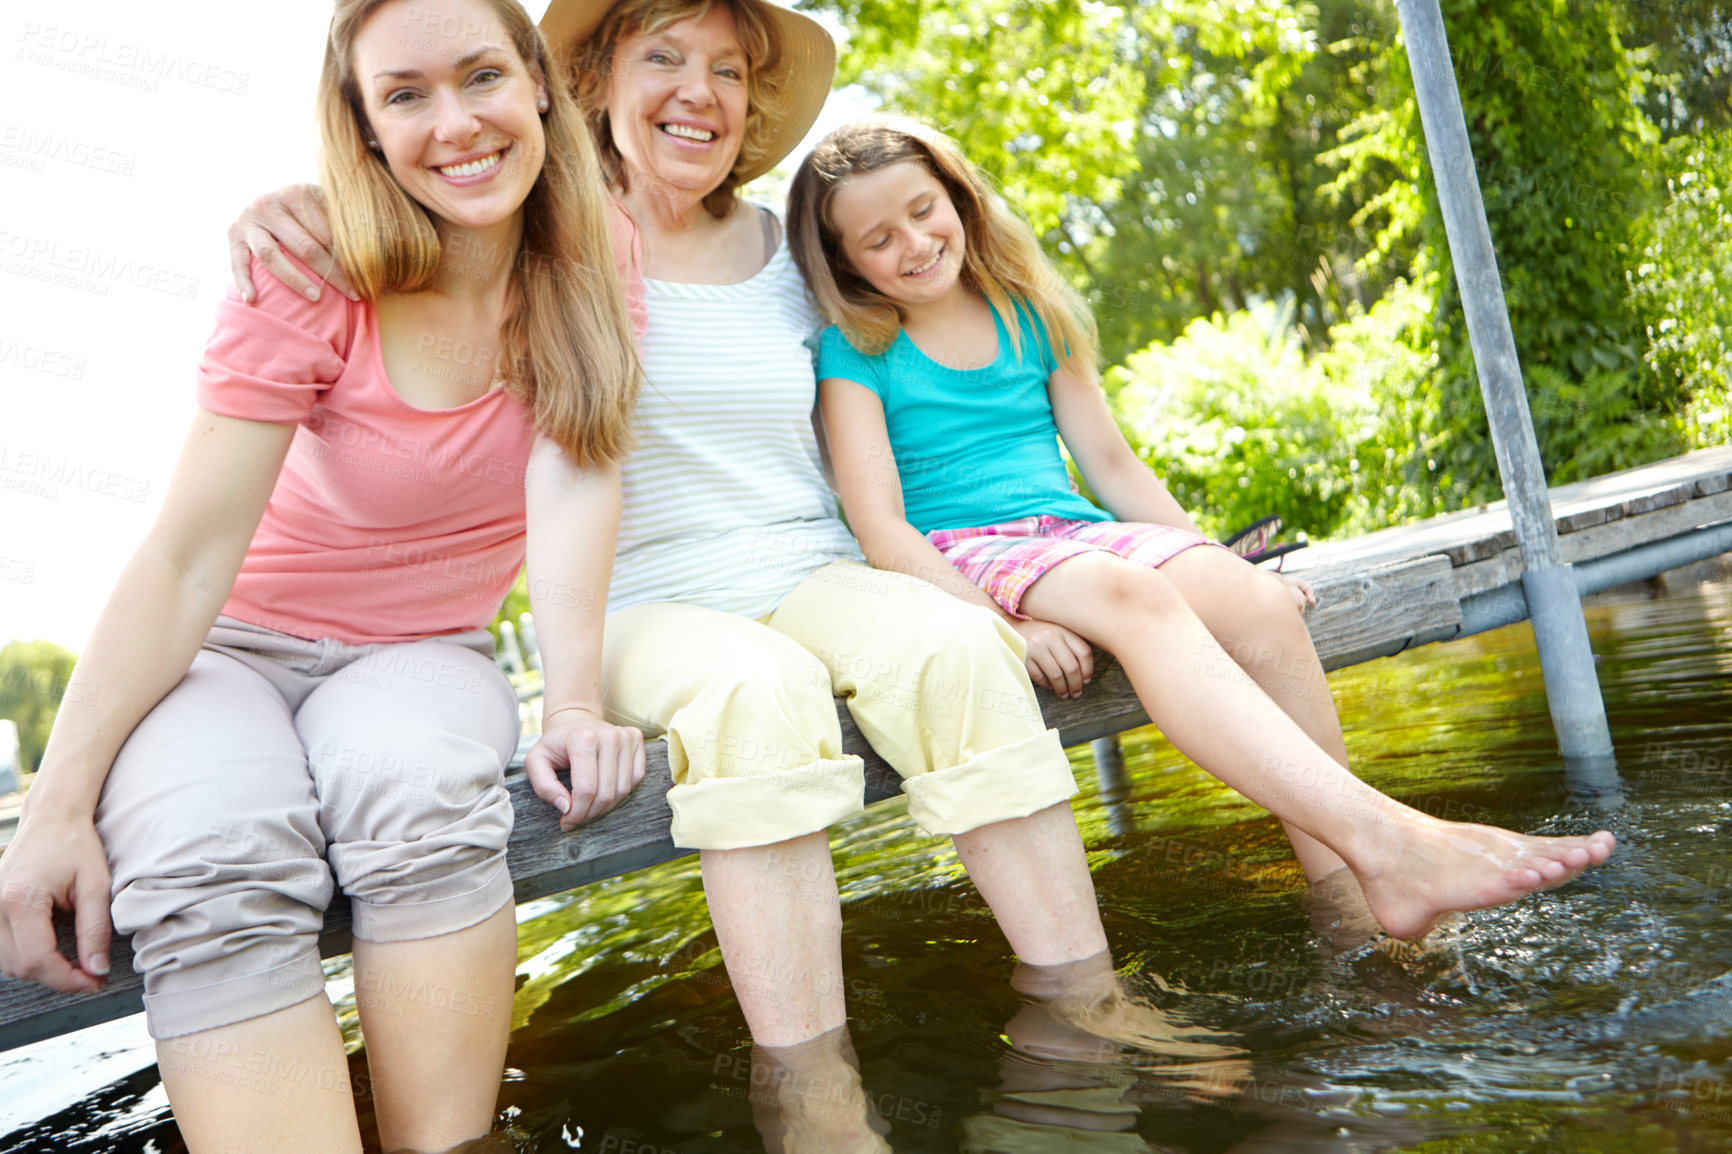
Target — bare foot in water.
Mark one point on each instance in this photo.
(808, 1099)
(1080, 1013)
(1342, 917)
(1434, 867)
(1339, 912)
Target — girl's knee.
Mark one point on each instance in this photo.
(1136, 589)
(1270, 599)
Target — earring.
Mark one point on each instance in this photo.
(541, 103)
(373, 144)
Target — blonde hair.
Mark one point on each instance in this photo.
(1003, 262)
(767, 94)
(566, 347)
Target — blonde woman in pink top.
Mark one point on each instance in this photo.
(291, 690)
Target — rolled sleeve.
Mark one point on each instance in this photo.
(271, 360)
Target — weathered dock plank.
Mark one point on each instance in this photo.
(1484, 533)
(1652, 522)
(1360, 609)
(1373, 591)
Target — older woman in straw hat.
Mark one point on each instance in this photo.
(740, 606)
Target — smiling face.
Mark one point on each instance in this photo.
(899, 230)
(453, 107)
(677, 103)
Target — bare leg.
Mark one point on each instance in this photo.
(278, 1083)
(779, 924)
(1033, 873)
(1252, 614)
(436, 1014)
(1412, 868)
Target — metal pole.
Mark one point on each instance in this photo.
(1560, 631)
(1115, 783)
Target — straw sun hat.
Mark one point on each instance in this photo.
(808, 64)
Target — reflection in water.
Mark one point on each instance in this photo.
(808, 1099)
(1084, 1058)
(1593, 1019)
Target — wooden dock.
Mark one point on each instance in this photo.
(1377, 595)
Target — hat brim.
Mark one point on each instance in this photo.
(808, 61)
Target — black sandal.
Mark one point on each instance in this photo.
(1252, 542)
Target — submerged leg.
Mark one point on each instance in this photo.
(436, 1014)
(808, 1099)
(1413, 868)
(779, 924)
(277, 1083)
(1034, 875)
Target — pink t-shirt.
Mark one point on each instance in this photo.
(388, 522)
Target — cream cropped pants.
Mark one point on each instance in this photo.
(748, 707)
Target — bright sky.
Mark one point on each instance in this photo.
(130, 136)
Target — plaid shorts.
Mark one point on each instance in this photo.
(1006, 559)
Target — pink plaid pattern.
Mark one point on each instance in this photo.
(1006, 559)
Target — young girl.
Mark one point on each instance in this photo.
(957, 360)
(355, 507)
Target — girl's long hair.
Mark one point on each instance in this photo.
(566, 347)
(766, 81)
(1003, 262)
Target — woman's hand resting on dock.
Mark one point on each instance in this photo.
(606, 764)
(62, 866)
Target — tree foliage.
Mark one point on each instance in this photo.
(33, 677)
(1190, 160)
(1553, 112)
(1680, 284)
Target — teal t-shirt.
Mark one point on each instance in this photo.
(973, 446)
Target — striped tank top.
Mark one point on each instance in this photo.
(726, 504)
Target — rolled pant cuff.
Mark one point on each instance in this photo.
(172, 1013)
(412, 921)
(741, 812)
(1009, 782)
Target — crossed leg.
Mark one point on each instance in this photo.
(1412, 868)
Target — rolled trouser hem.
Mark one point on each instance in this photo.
(1001, 784)
(412, 921)
(742, 812)
(174, 1013)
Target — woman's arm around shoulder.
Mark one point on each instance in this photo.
(287, 221)
(1113, 470)
(143, 643)
(573, 529)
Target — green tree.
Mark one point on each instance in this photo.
(1553, 105)
(1170, 153)
(1043, 95)
(33, 677)
(1688, 46)
(1680, 282)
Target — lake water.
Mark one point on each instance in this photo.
(1593, 1018)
